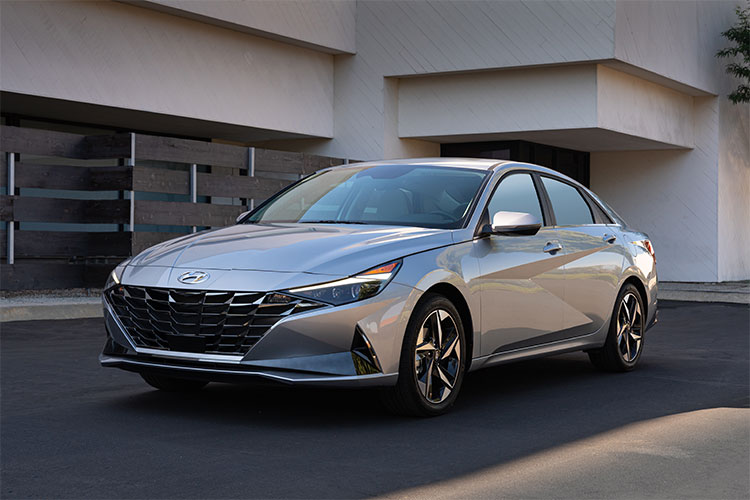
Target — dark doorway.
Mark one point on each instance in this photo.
(572, 163)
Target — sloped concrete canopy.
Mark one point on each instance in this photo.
(583, 107)
(580, 139)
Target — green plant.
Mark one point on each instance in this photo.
(739, 37)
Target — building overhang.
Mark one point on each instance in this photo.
(582, 107)
(109, 117)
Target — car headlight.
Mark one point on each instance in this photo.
(114, 277)
(359, 287)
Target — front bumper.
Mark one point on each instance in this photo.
(320, 347)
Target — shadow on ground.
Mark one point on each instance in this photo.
(71, 429)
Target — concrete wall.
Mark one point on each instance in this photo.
(676, 39)
(671, 195)
(585, 100)
(734, 191)
(560, 97)
(637, 107)
(113, 54)
(407, 38)
(327, 25)
(372, 79)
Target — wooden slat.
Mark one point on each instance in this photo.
(186, 214)
(107, 146)
(160, 180)
(63, 144)
(145, 239)
(31, 209)
(37, 274)
(240, 186)
(3, 169)
(157, 180)
(149, 147)
(50, 244)
(289, 162)
(6, 208)
(73, 177)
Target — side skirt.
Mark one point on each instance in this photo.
(582, 343)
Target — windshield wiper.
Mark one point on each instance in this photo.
(331, 222)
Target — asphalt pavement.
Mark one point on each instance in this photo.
(677, 427)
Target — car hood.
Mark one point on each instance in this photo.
(328, 249)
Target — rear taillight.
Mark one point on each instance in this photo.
(646, 244)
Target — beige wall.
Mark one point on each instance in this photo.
(581, 106)
(498, 101)
(425, 72)
(118, 55)
(640, 108)
(672, 196)
(676, 39)
(327, 25)
(734, 191)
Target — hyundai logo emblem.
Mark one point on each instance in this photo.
(193, 277)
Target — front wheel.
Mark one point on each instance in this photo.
(624, 343)
(433, 360)
(171, 384)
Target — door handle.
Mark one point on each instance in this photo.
(552, 247)
(609, 238)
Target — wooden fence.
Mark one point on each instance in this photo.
(36, 259)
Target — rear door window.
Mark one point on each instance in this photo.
(569, 206)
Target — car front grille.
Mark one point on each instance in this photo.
(202, 321)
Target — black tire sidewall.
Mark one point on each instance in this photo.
(407, 375)
(612, 338)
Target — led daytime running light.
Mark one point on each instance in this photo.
(344, 282)
(359, 287)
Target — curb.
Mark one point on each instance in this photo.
(71, 310)
(695, 296)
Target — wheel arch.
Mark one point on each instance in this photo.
(456, 297)
(638, 284)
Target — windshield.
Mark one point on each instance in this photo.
(402, 195)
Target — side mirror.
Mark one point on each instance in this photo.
(515, 224)
(240, 217)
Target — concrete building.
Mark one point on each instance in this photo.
(626, 96)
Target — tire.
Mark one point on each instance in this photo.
(170, 384)
(624, 345)
(430, 371)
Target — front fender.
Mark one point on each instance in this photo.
(454, 265)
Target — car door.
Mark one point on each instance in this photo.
(521, 277)
(594, 256)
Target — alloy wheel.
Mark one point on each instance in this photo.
(437, 356)
(629, 328)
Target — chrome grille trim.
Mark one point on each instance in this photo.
(200, 321)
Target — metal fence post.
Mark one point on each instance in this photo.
(11, 225)
(131, 164)
(251, 171)
(194, 186)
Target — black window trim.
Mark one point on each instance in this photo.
(586, 198)
(600, 210)
(547, 214)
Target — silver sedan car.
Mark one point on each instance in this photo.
(402, 274)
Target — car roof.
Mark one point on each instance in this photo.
(477, 163)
